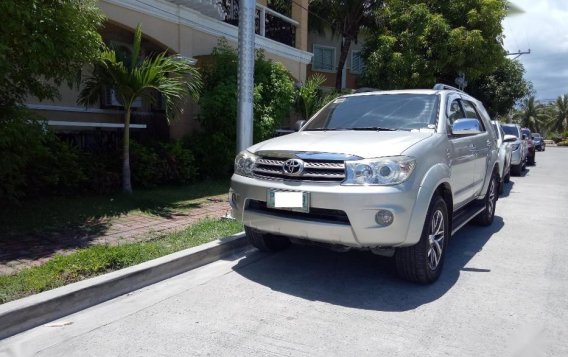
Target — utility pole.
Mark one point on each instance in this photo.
(246, 74)
(518, 54)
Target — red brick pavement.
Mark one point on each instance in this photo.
(20, 252)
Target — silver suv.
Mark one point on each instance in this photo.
(394, 172)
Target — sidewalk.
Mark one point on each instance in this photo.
(31, 250)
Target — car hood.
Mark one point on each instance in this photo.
(365, 144)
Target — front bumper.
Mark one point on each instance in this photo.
(359, 204)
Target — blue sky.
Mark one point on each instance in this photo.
(543, 27)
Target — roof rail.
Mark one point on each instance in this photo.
(442, 86)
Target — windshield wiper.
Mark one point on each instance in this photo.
(370, 128)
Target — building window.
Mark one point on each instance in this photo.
(356, 62)
(324, 58)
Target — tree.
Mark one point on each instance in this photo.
(132, 78)
(419, 43)
(44, 44)
(532, 114)
(559, 120)
(346, 17)
(501, 89)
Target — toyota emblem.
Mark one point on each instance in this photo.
(293, 167)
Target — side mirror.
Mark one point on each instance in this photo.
(465, 127)
(299, 125)
(509, 138)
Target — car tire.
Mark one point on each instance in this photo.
(485, 217)
(507, 178)
(266, 242)
(531, 160)
(423, 262)
(516, 170)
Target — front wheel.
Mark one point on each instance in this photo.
(485, 218)
(422, 262)
(266, 242)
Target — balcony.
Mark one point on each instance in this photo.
(268, 23)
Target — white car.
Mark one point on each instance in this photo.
(505, 153)
(393, 172)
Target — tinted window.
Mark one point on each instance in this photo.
(455, 111)
(510, 130)
(389, 111)
(469, 110)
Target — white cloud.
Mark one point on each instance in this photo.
(544, 29)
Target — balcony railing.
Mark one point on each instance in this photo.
(268, 23)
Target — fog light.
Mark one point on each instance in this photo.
(384, 217)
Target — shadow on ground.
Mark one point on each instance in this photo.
(38, 228)
(359, 279)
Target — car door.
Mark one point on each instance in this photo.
(482, 145)
(462, 156)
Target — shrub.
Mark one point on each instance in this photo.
(214, 146)
(34, 161)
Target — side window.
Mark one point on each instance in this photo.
(455, 111)
(471, 113)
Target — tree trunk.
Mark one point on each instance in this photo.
(345, 45)
(126, 184)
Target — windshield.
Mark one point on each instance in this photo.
(536, 136)
(377, 112)
(526, 132)
(510, 130)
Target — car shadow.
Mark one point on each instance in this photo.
(507, 188)
(360, 279)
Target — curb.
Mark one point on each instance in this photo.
(32, 311)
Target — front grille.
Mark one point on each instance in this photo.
(316, 214)
(314, 170)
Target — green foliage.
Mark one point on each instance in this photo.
(420, 43)
(532, 114)
(308, 96)
(160, 164)
(34, 161)
(96, 260)
(214, 146)
(131, 78)
(501, 89)
(345, 18)
(45, 44)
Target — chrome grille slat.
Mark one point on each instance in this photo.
(314, 170)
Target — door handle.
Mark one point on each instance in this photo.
(471, 147)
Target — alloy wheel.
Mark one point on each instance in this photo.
(436, 239)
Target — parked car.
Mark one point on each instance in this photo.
(505, 153)
(518, 148)
(538, 141)
(393, 172)
(531, 152)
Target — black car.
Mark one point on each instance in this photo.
(538, 141)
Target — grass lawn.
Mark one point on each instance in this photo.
(96, 260)
(86, 212)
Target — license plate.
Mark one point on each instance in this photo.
(289, 200)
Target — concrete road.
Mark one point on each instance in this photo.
(504, 292)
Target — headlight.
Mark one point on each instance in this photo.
(380, 171)
(515, 147)
(244, 163)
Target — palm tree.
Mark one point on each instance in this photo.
(532, 115)
(559, 121)
(345, 17)
(133, 78)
